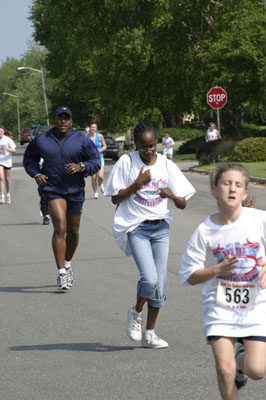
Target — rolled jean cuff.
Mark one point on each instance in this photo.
(155, 300)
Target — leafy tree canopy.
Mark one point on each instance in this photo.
(27, 85)
(124, 60)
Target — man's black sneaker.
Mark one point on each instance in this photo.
(46, 220)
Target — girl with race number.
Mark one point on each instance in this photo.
(226, 253)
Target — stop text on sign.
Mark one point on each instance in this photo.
(216, 98)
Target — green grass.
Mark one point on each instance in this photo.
(257, 169)
(176, 146)
(177, 157)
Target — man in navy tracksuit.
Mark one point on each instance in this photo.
(69, 157)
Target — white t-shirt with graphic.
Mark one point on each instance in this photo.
(6, 156)
(167, 145)
(146, 203)
(234, 305)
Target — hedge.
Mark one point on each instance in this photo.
(252, 149)
(178, 134)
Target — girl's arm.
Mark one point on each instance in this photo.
(180, 202)
(104, 146)
(225, 267)
(262, 275)
(123, 194)
(9, 149)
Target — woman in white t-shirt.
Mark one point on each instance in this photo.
(7, 147)
(227, 254)
(141, 183)
(212, 133)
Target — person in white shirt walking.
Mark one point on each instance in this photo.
(141, 183)
(7, 148)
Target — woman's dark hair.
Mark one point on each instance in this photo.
(142, 127)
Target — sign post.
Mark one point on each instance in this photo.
(217, 98)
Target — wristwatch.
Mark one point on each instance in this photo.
(82, 166)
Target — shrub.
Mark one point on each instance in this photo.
(250, 150)
(206, 159)
(181, 133)
(189, 147)
(218, 150)
(224, 148)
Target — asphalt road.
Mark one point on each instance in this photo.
(73, 345)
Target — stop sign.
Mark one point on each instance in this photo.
(216, 97)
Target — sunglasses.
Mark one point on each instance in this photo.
(145, 148)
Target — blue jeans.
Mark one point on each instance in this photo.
(150, 246)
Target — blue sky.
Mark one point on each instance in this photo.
(15, 28)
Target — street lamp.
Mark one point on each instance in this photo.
(13, 95)
(43, 85)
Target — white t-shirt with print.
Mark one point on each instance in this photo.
(146, 203)
(167, 145)
(242, 311)
(6, 156)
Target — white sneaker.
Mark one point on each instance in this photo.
(8, 198)
(102, 188)
(96, 196)
(153, 341)
(70, 279)
(133, 329)
(2, 199)
(62, 282)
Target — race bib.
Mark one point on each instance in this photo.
(236, 295)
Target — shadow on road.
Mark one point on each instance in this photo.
(23, 223)
(31, 289)
(93, 347)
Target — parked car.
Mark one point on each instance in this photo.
(112, 148)
(39, 129)
(25, 136)
(82, 130)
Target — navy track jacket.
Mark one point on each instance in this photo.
(56, 153)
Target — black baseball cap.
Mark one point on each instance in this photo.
(63, 110)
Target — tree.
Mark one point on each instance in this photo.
(30, 87)
(125, 60)
(27, 85)
(234, 57)
(8, 106)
